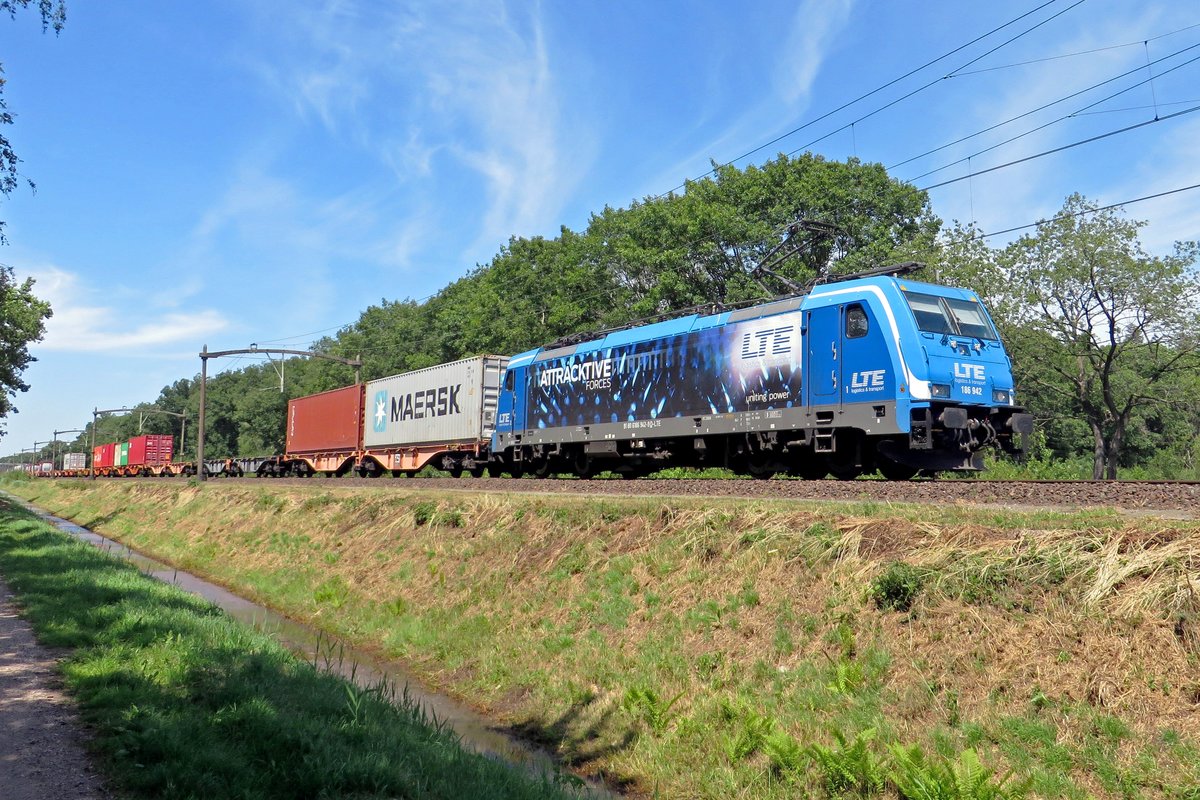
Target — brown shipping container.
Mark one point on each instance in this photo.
(326, 422)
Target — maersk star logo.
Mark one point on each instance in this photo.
(381, 411)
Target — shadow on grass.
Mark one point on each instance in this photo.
(578, 738)
(104, 519)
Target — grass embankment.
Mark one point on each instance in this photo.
(754, 649)
(186, 703)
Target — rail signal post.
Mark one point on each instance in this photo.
(55, 435)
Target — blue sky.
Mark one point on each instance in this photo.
(224, 173)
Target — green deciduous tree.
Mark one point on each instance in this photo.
(699, 247)
(1104, 336)
(22, 321)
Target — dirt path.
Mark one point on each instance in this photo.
(42, 752)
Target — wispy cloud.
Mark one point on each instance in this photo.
(461, 98)
(813, 33)
(81, 326)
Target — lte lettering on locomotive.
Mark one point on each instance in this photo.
(439, 402)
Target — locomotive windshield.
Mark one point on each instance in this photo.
(949, 315)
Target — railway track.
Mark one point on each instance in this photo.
(1178, 496)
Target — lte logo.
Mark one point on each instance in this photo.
(776, 341)
(871, 379)
(972, 372)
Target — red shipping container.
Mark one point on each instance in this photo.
(326, 422)
(104, 455)
(152, 448)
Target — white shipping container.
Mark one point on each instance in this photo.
(75, 461)
(453, 402)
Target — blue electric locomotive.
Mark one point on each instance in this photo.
(880, 372)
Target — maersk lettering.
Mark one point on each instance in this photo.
(441, 401)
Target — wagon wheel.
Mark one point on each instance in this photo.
(760, 466)
(584, 465)
(478, 470)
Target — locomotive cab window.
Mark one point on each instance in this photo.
(509, 381)
(857, 324)
(931, 316)
(950, 315)
(970, 319)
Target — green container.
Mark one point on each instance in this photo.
(123, 454)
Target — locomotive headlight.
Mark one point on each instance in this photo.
(939, 389)
(1002, 396)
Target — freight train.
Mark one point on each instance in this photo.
(874, 373)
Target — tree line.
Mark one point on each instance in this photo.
(1104, 337)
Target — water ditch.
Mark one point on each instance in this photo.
(474, 730)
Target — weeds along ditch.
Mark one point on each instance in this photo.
(717, 648)
(184, 702)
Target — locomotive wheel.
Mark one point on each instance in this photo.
(494, 470)
(895, 471)
(759, 467)
(541, 469)
(845, 472)
(809, 470)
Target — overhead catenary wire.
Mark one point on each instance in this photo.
(1137, 108)
(1045, 125)
(936, 81)
(1044, 153)
(1044, 106)
(871, 93)
(1077, 53)
(1086, 211)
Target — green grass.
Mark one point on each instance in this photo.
(186, 703)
